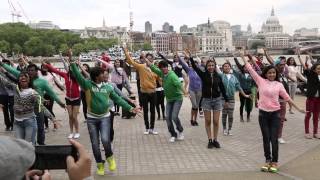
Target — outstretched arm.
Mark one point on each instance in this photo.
(300, 60)
(164, 58)
(269, 58)
(65, 64)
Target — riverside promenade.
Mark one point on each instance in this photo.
(141, 156)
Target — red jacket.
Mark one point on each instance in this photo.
(106, 59)
(72, 87)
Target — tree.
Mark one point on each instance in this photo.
(17, 49)
(63, 48)
(4, 46)
(34, 47)
(147, 47)
(78, 48)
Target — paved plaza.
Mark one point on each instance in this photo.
(138, 155)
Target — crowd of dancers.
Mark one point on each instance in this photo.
(27, 96)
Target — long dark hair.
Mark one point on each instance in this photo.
(115, 68)
(294, 62)
(266, 69)
(26, 75)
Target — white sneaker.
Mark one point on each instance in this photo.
(180, 136)
(172, 139)
(281, 141)
(146, 132)
(225, 132)
(230, 132)
(76, 136)
(151, 131)
(201, 114)
(70, 136)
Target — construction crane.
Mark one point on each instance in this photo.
(17, 12)
(131, 25)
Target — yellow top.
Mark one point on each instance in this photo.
(147, 77)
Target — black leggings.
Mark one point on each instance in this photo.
(117, 107)
(84, 104)
(245, 102)
(160, 102)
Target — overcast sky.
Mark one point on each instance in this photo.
(77, 14)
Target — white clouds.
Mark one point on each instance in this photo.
(80, 13)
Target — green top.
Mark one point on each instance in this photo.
(171, 84)
(97, 97)
(40, 85)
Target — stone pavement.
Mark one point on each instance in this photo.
(138, 154)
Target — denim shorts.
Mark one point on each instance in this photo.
(214, 104)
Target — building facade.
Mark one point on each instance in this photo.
(148, 28)
(272, 31)
(43, 25)
(175, 42)
(214, 37)
(160, 41)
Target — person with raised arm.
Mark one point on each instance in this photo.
(148, 86)
(41, 86)
(231, 85)
(195, 87)
(173, 91)
(98, 95)
(73, 99)
(213, 93)
(294, 74)
(26, 103)
(248, 86)
(313, 101)
(270, 89)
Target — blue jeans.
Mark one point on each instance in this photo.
(41, 136)
(173, 109)
(26, 129)
(97, 127)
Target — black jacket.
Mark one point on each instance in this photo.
(313, 84)
(212, 85)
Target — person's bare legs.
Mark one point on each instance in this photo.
(207, 117)
(75, 113)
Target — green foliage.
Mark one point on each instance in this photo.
(20, 38)
(147, 47)
(4, 46)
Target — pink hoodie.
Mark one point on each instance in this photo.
(269, 92)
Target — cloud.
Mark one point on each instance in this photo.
(80, 13)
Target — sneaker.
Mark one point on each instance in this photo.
(281, 141)
(273, 168)
(308, 136)
(316, 136)
(7, 129)
(210, 145)
(248, 119)
(230, 132)
(201, 113)
(76, 136)
(291, 112)
(11, 128)
(146, 132)
(151, 131)
(100, 169)
(265, 167)
(196, 123)
(112, 163)
(46, 130)
(70, 136)
(225, 132)
(216, 144)
(172, 139)
(180, 136)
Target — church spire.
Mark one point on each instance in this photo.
(272, 11)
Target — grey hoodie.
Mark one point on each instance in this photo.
(16, 157)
